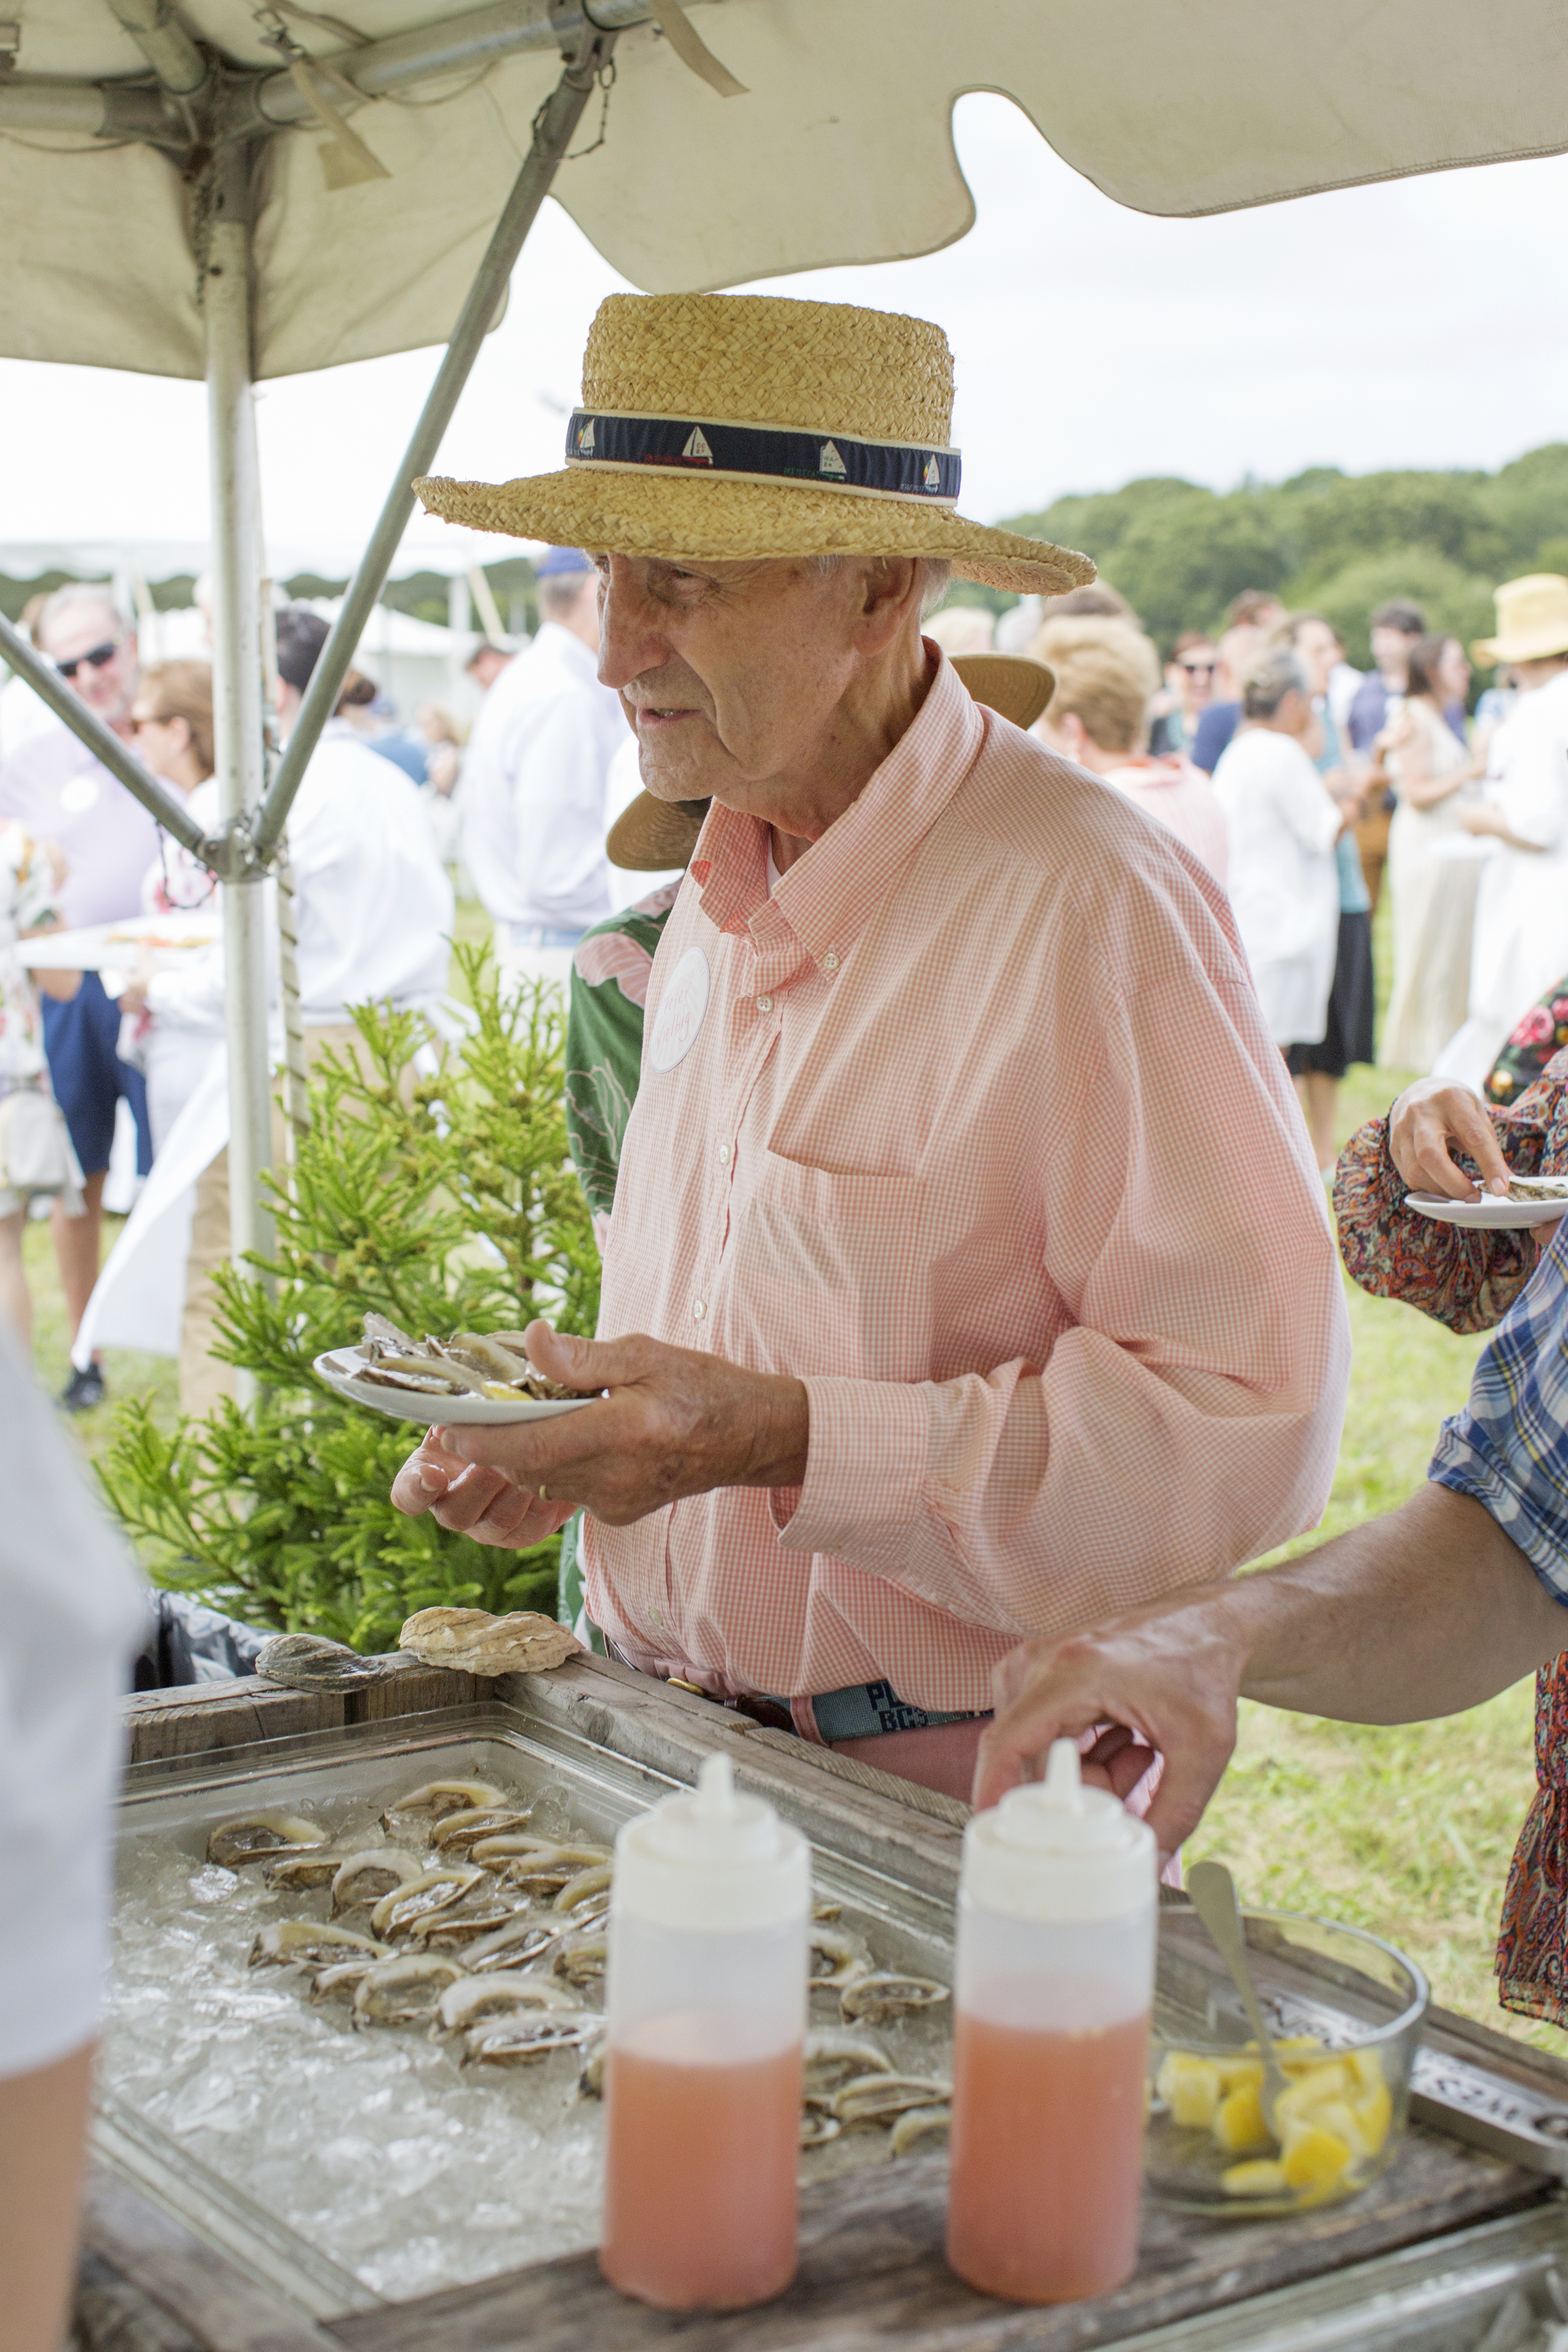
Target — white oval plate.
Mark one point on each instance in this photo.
(1489, 1212)
(339, 1368)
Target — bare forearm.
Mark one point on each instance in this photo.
(43, 2134)
(1419, 1614)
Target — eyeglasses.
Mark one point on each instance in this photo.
(1200, 669)
(95, 658)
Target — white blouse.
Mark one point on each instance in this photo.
(1282, 823)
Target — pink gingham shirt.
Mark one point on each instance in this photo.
(974, 1125)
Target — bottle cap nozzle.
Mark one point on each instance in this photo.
(1064, 1776)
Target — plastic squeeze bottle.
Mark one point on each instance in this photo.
(706, 1999)
(1057, 1911)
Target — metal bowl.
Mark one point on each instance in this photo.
(1352, 2007)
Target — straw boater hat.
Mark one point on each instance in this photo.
(722, 426)
(653, 836)
(1532, 621)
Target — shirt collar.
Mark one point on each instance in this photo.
(827, 895)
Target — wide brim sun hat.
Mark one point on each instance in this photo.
(720, 427)
(656, 836)
(1532, 621)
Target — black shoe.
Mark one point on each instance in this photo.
(83, 1390)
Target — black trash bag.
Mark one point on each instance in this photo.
(188, 1642)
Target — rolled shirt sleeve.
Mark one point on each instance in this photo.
(1508, 1448)
(70, 1614)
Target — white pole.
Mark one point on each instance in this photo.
(238, 694)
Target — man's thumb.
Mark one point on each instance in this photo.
(576, 1363)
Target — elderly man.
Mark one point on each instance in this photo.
(61, 793)
(966, 1266)
(533, 778)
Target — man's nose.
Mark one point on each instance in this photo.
(628, 642)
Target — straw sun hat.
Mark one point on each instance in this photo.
(722, 426)
(655, 836)
(1532, 621)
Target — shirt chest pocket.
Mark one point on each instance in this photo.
(829, 1273)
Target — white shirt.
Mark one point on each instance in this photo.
(373, 899)
(1282, 825)
(533, 786)
(70, 1617)
(622, 786)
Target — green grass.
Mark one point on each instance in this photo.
(1404, 1831)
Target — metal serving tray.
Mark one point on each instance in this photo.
(248, 2163)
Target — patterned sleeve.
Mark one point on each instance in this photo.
(610, 968)
(1463, 1278)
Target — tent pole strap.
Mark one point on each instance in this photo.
(101, 742)
(553, 127)
(238, 709)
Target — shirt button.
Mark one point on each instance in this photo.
(765, 1005)
(698, 1309)
(723, 1155)
(830, 960)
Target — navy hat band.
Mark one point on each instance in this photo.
(829, 461)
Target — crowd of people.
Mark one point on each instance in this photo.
(1303, 786)
(1307, 787)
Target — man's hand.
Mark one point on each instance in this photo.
(1429, 1117)
(1166, 1677)
(674, 1421)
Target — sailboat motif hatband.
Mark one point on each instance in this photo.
(835, 461)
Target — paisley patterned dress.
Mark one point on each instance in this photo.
(1468, 1280)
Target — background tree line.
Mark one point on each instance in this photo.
(1334, 542)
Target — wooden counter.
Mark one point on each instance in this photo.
(871, 2272)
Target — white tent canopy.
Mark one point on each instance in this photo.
(427, 547)
(841, 151)
(244, 188)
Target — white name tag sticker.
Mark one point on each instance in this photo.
(79, 795)
(680, 1012)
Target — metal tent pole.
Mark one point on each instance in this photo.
(554, 126)
(237, 690)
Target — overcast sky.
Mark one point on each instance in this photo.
(1418, 323)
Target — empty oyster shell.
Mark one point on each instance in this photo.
(403, 1990)
(921, 2127)
(876, 2099)
(251, 1837)
(421, 1898)
(816, 2129)
(365, 1877)
(883, 1993)
(524, 2041)
(310, 1943)
(504, 1992)
(472, 1642)
(440, 1798)
(310, 1662)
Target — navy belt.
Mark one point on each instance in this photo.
(861, 1710)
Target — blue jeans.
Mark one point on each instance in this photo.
(536, 935)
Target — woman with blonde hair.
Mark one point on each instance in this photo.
(172, 1021)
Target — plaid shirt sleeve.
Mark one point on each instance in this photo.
(1508, 1447)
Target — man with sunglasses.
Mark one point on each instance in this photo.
(61, 793)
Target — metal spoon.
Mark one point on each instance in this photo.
(1213, 1892)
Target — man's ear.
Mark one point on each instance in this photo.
(893, 588)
